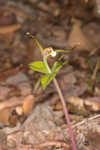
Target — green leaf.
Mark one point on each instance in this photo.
(46, 79)
(90, 85)
(38, 66)
(62, 51)
(37, 84)
(57, 66)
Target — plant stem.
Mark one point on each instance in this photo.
(66, 113)
(64, 105)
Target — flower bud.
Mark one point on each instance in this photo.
(49, 52)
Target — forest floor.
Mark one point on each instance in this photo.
(34, 120)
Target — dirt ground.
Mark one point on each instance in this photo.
(34, 119)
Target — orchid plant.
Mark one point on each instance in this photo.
(49, 75)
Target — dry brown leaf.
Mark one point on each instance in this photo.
(92, 105)
(14, 101)
(21, 107)
(4, 115)
(58, 106)
(9, 28)
(76, 105)
(28, 104)
(78, 39)
(83, 106)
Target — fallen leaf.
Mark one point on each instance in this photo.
(9, 28)
(77, 38)
(92, 104)
(11, 102)
(28, 104)
(83, 106)
(4, 115)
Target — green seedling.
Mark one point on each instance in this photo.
(94, 69)
(90, 63)
(49, 74)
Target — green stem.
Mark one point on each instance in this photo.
(40, 46)
(46, 64)
(63, 103)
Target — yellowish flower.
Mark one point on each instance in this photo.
(49, 52)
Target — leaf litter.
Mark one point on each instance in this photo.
(31, 120)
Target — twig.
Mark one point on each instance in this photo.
(53, 143)
(85, 120)
(40, 146)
